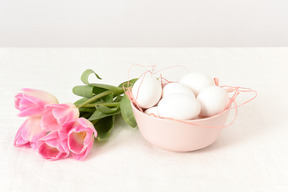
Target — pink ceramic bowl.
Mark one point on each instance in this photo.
(179, 136)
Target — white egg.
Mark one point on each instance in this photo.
(152, 110)
(213, 100)
(147, 91)
(179, 106)
(172, 88)
(197, 81)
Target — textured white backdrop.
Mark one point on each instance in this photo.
(129, 23)
(251, 155)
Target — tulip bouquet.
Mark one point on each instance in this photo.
(57, 131)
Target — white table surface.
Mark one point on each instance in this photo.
(251, 155)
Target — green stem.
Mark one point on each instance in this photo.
(92, 99)
(112, 104)
(95, 121)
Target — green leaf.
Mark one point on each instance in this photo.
(107, 110)
(125, 84)
(87, 110)
(85, 115)
(97, 90)
(107, 87)
(126, 111)
(99, 115)
(103, 127)
(108, 98)
(78, 102)
(85, 76)
(83, 91)
(118, 98)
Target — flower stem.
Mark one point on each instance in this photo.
(92, 99)
(112, 104)
(95, 121)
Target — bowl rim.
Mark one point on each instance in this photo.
(189, 121)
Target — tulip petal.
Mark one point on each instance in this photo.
(29, 133)
(43, 95)
(51, 147)
(49, 123)
(81, 138)
(85, 153)
(48, 152)
(56, 115)
(77, 141)
(65, 112)
(31, 102)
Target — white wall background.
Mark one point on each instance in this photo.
(126, 23)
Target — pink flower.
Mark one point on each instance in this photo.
(56, 115)
(81, 138)
(29, 133)
(31, 102)
(52, 147)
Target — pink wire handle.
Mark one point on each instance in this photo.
(142, 66)
(238, 90)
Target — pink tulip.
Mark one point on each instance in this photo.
(52, 147)
(81, 138)
(31, 102)
(56, 115)
(29, 133)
